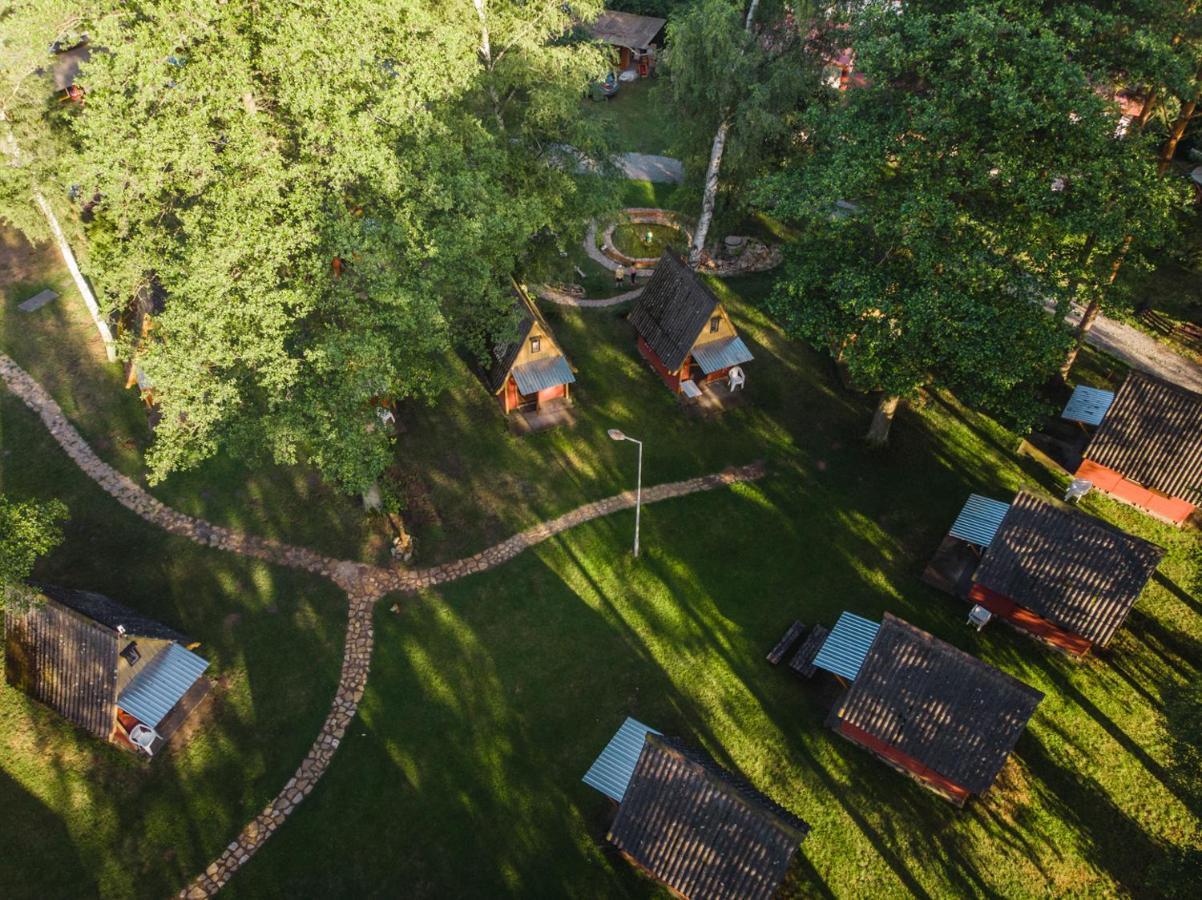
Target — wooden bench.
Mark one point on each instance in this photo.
(803, 660)
(785, 644)
(1186, 332)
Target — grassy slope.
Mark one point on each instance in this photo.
(59, 346)
(489, 698)
(640, 116)
(82, 818)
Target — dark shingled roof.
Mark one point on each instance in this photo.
(624, 29)
(1152, 434)
(505, 352)
(62, 650)
(953, 713)
(673, 308)
(701, 830)
(1072, 569)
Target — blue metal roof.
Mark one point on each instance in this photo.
(1088, 405)
(717, 355)
(979, 520)
(610, 772)
(157, 688)
(846, 646)
(541, 374)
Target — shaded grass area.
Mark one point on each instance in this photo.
(646, 240)
(490, 698)
(82, 818)
(1174, 285)
(59, 346)
(640, 116)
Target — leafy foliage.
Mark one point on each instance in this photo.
(28, 529)
(972, 164)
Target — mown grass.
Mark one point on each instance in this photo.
(82, 818)
(640, 116)
(490, 698)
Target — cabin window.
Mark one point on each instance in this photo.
(715, 324)
(130, 654)
(536, 344)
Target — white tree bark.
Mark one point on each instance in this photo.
(486, 59)
(751, 14)
(85, 290)
(710, 196)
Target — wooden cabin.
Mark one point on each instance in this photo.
(684, 332)
(116, 674)
(688, 823)
(636, 38)
(1147, 447)
(1051, 571)
(924, 707)
(530, 370)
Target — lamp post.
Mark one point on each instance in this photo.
(617, 435)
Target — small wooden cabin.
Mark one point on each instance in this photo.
(529, 369)
(1051, 571)
(688, 823)
(926, 708)
(635, 38)
(1147, 449)
(683, 330)
(116, 674)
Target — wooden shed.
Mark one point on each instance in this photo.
(1064, 577)
(685, 333)
(635, 37)
(698, 829)
(1147, 449)
(926, 708)
(529, 370)
(116, 674)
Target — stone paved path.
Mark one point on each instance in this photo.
(649, 167)
(364, 584)
(551, 295)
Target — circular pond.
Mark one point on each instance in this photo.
(639, 236)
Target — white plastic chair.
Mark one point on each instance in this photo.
(736, 378)
(1078, 489)
(143, 737)
(979, 616)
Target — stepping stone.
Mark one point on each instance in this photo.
(37, 301)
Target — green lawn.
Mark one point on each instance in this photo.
(488, 699)
(640, 116)
(61, 348)
(82, 818)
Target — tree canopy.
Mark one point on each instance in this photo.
(971, 167)
(28, 530)
(321, 200)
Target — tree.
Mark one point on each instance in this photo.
(976, 160)
(736, 85)
(327, 198)
(28, 529)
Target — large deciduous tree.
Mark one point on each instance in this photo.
(737, 84)
(326, 195)
(973, 163)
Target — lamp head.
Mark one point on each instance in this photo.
(616, 434)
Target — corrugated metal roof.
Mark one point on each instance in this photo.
(846, 646)
(1152, 435)
(610, 772)
(542, 374)
(717, 355)
(1072, 569)
(158, 687)
(1088, 405)
(979, 520)
(703, 831)
(951, 712)
(673, 308)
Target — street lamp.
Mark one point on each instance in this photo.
(617, 435)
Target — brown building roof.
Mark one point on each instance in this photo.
(626, 29)
(953, 713)
(1152, 435)
(506, 351)
(701, 830)
(1070, 568)
(673, 308)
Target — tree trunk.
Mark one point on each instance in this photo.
(485, 51)
(882, 420)
(709, 198)
(1093, 308)
(751, 14)
(1187, 112)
